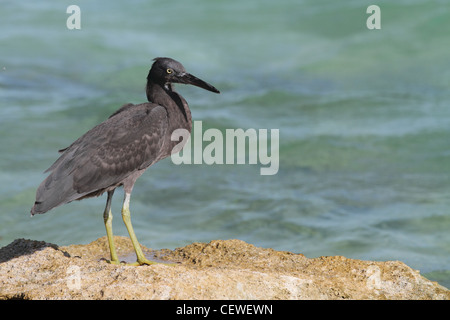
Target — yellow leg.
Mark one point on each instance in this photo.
(141, 259)
(107, 217)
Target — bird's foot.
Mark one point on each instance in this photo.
(140, 262)
(116, 262)
(147, 262)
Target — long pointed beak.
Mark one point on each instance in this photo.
(188, 78)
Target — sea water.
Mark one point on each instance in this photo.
(363, 117)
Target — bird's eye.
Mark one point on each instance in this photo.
(169, 71)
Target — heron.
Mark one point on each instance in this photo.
(116, 152)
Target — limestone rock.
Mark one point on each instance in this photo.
(230, 269)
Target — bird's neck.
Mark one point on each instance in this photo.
(156, 93)
(164, 95)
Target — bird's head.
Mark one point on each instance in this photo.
(165, 71)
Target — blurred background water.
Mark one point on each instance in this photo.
(364, 120)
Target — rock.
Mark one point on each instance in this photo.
(230, 269)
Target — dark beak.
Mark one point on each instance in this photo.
(188, 78)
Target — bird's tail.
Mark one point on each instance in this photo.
(37, 208)
(54, 192)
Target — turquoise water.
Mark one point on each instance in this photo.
(363, 116)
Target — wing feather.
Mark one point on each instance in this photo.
(130, 140)
(132, 143)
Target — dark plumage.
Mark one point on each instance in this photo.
(117, 151)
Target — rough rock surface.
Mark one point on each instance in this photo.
(230, 269)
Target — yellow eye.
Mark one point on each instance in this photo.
(169, 71)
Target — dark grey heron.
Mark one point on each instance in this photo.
(118, 151)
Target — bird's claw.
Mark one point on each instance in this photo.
(137, 263)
